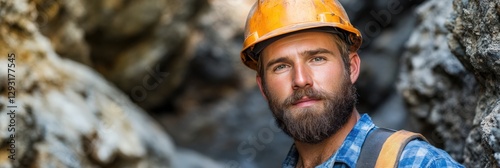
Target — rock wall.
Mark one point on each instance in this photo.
(148, 48)
(179, 60)
(439, 92)
(475, 41)
(450, 78)
(65, 114)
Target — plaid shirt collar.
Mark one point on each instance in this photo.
(349, 151)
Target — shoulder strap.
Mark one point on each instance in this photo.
(393, 147)
(382, 147)
(372, 145)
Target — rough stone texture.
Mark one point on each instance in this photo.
(456, 97)
(68, 115)
(147, 48)
(179, 60)
(439, 92)
(476, 43)
(150, 49)
(142, 46)
(56, 19)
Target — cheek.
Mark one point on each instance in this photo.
(329, 78)
(278, 88)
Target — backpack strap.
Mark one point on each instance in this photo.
(393, 147)
(372, 145)
(383, 147)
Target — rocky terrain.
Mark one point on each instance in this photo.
(475, 41)
(159, 83)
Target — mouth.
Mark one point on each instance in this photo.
(305, 101)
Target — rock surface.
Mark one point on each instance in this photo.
(475, 41)
(66, 114)
(179, 60)
(153, 49)
(439, 92)
(450, 78)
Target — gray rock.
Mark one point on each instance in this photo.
(181, 58)
(144, 47)
(66, 114)
(439, 93)
(475, 41)
(69, 115)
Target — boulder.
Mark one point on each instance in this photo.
(64, 114)
(475, 41)
(439, 92)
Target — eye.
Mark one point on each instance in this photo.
(318, 59)
(280, 67)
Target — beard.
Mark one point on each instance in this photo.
(314, 124)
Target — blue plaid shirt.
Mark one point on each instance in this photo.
(417, 153)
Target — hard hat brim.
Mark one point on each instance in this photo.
(250, 59)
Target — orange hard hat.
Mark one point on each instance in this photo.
(272, 18)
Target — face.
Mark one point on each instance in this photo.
(307, 85)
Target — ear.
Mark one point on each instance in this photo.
(355, 64)
(259, 82)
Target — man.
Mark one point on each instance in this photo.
(305, 55)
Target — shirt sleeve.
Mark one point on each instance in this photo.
(418, 153)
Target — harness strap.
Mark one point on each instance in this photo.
(383, 147)
(372, 145)
(393, 147)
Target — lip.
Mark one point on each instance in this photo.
(305, 101)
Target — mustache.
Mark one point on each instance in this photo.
(306, 92)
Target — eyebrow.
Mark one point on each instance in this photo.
(316, 51)
(303, 53)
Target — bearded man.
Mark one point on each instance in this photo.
(305, 55)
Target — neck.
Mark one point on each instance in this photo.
(312, 155)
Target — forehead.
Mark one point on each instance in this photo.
(299, 42)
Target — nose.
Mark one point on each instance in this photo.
(301, 77)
